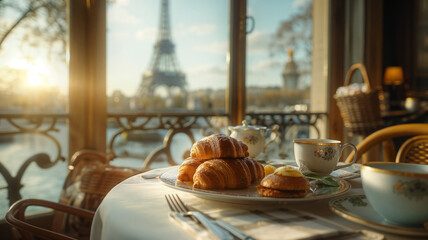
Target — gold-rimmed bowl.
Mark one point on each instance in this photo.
(397, 191)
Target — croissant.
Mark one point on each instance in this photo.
(188, 168)
(227, 173)
(218, 146)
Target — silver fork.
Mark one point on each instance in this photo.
(177, 206)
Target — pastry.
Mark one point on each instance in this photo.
(269, 169)
(227, 173)
(188, 168)
(220, 162)
(285, 182)
(218, 146)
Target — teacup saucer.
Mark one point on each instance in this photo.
(357, 209)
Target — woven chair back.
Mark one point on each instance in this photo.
(414, 150)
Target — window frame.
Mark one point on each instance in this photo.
(87, 72)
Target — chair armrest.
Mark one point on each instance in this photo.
(16, 217)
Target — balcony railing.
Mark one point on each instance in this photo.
(125, 129)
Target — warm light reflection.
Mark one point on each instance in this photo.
(34, 78)
(35, 71)
(393, 75)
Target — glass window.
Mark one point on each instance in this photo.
(164, 57)
(33, 80)
(167, 55)
(279, 54)
(278, 67)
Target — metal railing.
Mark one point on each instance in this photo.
(139, 126)
(34, 124)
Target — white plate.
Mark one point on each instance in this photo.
(356, 208)
(248, 195)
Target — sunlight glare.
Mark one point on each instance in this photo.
(34, 78)
(35, 71)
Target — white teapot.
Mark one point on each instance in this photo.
(254, 137)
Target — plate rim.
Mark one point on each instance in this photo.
(384, 227)
(222, 197)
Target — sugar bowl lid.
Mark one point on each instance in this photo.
(246, 127)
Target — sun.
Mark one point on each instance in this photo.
(34, 78)
(36, 70)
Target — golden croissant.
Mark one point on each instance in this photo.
(227, 173)
(188, 168)
(218, 146)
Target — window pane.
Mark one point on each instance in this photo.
(163, 56)
(279, 49)
(33, 80)
(278, 68)
(175, 64)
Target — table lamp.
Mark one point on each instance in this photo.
(393, 81)
(393, 76)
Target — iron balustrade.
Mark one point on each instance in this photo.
(36, 124)
(141, 123)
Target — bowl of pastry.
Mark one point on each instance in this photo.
(218, 167)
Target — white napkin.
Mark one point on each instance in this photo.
(281, 223)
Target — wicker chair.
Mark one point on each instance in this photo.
(16, 217)
(385, 137)
(90, 178)
(414, 150)
(88, 181)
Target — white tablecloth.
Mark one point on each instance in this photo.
(137, 209)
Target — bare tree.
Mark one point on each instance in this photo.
(44, 22)
(295, 33)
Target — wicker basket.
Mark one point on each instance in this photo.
(361, 111)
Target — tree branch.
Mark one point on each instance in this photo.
(18, 21)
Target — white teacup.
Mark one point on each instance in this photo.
(320, 155)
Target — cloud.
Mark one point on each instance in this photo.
(122, 2)
(208, 69)
(300, 3)
(215, 47)
(120, 35)
(122, 16)
(202, 29)
(207, 76)
(258, 42)
(149, 33)
(183, 30)
(267, 65)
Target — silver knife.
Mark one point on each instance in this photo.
(235, 231)
(191, 225)
(224, 225)
(187, 224)
(215, 229)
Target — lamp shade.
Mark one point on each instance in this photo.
(393, 75)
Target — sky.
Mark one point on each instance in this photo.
(43, 70)
(199, 32)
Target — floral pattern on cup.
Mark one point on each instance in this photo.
(326, 153)
(251, 140)
(412, 189)
(355, 201)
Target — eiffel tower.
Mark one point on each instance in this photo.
(164, 69)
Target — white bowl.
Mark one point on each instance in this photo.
(397, 191)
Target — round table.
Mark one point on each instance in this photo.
(137, 209)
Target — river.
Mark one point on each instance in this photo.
(47, 183)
